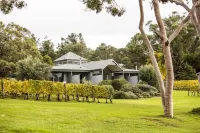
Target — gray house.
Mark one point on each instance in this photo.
(72, 68)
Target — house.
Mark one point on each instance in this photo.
(72, 68)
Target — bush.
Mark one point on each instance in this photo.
(138, 95)
(152, 93)
(146, 95)
(106, 82)
(136, 90)
(186, 85)
(118, 83)
(110, 89)
(196, 111)
(146, 88)
(119, 95)
(148, 75)
(127, 87)
(130, 95)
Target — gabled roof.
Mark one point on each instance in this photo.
(94, 65)
(70, 56)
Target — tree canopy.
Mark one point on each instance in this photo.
(6, 6)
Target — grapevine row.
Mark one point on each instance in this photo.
(48, 89)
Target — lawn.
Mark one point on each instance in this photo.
(124, 116)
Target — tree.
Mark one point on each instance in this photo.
(183, 47)
(148, 75)
(6, 6)
(16, 43)
(5, 69)
(73, 43)
(32, 68)
(114, 9)
(47, 49)
(166, 91)
(47, 59)
(108, 51)
(137, 51)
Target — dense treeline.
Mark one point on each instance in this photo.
(23, 55)
(48, 89)
(185, 49)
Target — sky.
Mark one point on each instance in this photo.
(59, 18)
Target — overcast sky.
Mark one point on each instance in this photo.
(59, 18)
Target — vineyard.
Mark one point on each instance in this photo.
(41, 89)
(192, 85)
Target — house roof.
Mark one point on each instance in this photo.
(129, 71)
(70, 56)
(89, 66)
(94, 65)
(69, 67)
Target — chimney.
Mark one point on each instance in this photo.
(135, 67)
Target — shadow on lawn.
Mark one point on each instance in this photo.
(161, 121)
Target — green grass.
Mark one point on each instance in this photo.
(124, 116)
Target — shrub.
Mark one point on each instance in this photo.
(157, 94)
(146, 95)
(110, 89)
(130, 95)
(119, 95)
(118, 83)
(106, 82)
(186, 85)
(146, 88)
(196, 111)
(147, 74)
(152, 93)
(136, 90)
(138, 95)
(127, 87)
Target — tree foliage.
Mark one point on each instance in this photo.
(32, 68)
(110, 6)
(6, 6)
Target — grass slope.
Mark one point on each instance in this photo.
(130, 116)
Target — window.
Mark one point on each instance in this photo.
(76, 62)
(69, 62)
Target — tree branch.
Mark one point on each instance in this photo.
(159, 20)
(193, 15)
(151, 54)
(177, 31)
(181, 3)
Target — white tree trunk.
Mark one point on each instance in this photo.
(166, 91)
(168, 62)
(152, 56)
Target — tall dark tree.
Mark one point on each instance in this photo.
(47, 49)
(73, 43)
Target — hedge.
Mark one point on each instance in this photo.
(192, 85)
(14, 88)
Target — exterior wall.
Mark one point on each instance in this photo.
(75, 79)
(133, 79)
(118, 76)
(69, 78)
(96, 79)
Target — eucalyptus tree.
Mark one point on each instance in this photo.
(114, 9)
